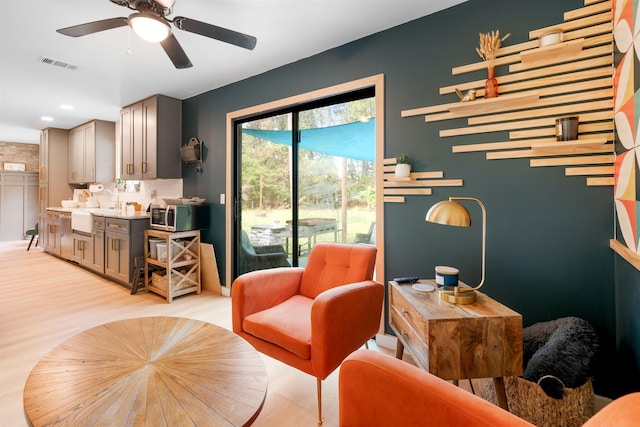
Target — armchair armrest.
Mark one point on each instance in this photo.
(376, 389)
(262, 289)
(622, 412)
(344, 318)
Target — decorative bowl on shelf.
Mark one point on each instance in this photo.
(69, 203)
(184, 201)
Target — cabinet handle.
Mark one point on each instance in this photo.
(143, 166)
(129, 168)
(404, 312)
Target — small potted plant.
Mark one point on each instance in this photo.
(403, 167)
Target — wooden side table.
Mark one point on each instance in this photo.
(479, 340)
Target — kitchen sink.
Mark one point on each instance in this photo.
(81, 221)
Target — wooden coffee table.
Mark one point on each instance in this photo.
(152, 371)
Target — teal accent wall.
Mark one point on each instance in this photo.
(548, 252)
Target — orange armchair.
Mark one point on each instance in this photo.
(311, 318)
(379, 390)
(622, 412)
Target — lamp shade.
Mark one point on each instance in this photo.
(149, 27)
(448, 212)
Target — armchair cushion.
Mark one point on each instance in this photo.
(337, 264)
(287, 325)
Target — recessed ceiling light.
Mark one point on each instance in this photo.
(66, 107)
(46, 119)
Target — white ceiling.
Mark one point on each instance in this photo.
(107, 78)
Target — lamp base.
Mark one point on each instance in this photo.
(456, 297)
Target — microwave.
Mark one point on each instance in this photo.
(179, 217)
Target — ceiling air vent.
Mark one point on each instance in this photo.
(57, 63)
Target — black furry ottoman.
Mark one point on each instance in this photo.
(558, 354)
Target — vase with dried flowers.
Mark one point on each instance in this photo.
(489, 44)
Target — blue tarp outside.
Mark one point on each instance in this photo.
(355, 140)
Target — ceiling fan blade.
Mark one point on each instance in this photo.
(175, 52)
(215, 32)
(93, 27)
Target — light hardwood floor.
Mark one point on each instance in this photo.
(45, 300)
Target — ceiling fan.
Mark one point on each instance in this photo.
(151, 22)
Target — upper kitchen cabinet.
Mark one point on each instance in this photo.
(92, 152)
(151, 135)
(54, 157)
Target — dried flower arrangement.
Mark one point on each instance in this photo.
(489, 44)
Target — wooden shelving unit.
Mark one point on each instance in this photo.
(179, 274)
(574, 77)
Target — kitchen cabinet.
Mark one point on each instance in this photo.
(123, 242)
(82, 250)
(97, 245)
(92, 152)
(51, 233)
(178, 271)
(88, 248)
(150, 133)
(54, 162)
(18, 204)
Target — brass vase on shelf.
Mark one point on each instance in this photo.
(491, 85)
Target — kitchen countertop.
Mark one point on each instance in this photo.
(111, 213)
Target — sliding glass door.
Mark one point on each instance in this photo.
(304, 175)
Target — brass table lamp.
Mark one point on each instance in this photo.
(449, 212)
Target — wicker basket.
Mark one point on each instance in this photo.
(527, 400)
(159, 280)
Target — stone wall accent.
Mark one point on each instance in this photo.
(15, 152)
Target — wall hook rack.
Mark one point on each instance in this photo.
(192, 153)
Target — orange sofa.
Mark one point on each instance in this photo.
(380, 390)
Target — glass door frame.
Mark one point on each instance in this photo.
(377, 82)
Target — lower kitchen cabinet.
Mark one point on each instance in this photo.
(116, 261)
(52, 233)
(109, 249)
(124, 241)
(88, 250)
(82, 249)
(97, 245)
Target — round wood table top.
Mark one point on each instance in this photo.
(150, 371)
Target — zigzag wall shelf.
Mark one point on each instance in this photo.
(417, 184)
(574, 77)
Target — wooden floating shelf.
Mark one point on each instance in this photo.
(484, 106)
(395, 178)
(553, 53)
(569, 144)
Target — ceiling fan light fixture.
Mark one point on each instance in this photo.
(149, 27)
